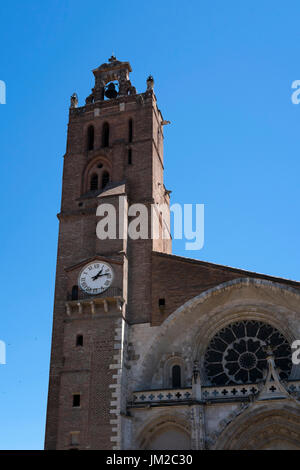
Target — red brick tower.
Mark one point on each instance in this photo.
(114, 155)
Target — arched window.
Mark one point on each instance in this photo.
(105, 179)
(130, 130)
(79, 340)
(176, 377)
(94, 182)
(105, 135)
(90, 138)
(74, 293)
(129, 156)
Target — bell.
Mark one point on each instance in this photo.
(111, 91)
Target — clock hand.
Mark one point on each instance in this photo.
(97, 275)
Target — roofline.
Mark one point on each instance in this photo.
(225, 268)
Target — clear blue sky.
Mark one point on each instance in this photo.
(223, 73)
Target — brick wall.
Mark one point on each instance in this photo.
(178, 280)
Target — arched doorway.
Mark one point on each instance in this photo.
(169, 438)
(272, 426)
(165, 432)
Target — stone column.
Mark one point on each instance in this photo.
(197, 412)
(197, 427)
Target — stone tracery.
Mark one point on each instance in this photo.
(236, 353)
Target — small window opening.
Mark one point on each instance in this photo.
(79, 340)
(130, 130)
(74, 439)
(105, 179)
(162, 302)
(94, 182)
(76, 400)
(129, 156)
(105, 135)
(90, 134)
(176, 377)
(74, 293)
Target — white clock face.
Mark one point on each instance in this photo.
(95, 277)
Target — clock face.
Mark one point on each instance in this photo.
(95, 278)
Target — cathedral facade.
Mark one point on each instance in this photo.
(152, 350)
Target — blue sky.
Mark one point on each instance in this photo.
(223, 73)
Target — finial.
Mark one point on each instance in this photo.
(196, 381)
(112, 58)
(74, 100)
(195, 370)
(273, 387)
(269, 350)
(150, 82)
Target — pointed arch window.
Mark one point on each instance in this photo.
(105, 179)
(105, 135)
(90, 137)
(94, 182)
(176, 376)
(130, 130)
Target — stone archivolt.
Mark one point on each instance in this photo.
(192, 326)
(261, 425)
(160, 424)
(238, 416)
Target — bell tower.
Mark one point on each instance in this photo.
(114, 158)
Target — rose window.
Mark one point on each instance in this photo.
(236, 355)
